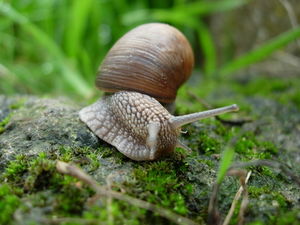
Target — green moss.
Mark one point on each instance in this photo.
(264, 86)
(70, 196)
(256, 192)
(282, 89)
(116, 212)
(269, 205)
(94, 161)
(288, 218)
(34, 175)
(84, 156)
(4, 122)
(9, 202)
(164, 183)
(209, 145)
(88, 157)
(161, 185)
(201, 140)
(293, 97)
(15, 170)
(257, 223)
(275, 202)
(40, 171)
(251, 148)
(207, 162)
(65, 154)
(17, 104)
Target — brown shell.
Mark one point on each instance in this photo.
(154, 59)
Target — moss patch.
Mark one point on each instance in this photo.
(17, 104)
(162, 185)
(249, 147)
(9, 202)
(281, 89)
(43, 187)
(36, 175)
(182, 182)
(4, 122)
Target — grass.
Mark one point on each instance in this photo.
(225, 163)
(261, 52)
(55, 47)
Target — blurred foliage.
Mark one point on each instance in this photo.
(55, 46)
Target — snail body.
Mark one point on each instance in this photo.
(126, 120)
(139, 79)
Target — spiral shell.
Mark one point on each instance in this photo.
(153, 59)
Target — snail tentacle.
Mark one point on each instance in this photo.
(179, 121)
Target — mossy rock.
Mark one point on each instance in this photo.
(37, 131)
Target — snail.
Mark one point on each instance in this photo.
(142, 71)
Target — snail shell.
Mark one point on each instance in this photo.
(153, 59)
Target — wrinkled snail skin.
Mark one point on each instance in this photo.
(142, 71)
(138, 125)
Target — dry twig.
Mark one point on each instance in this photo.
(235, 201)
(74, 171)
(214, 216)
(213, 212)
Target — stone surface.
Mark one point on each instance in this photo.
(45, 125)
(39, 125)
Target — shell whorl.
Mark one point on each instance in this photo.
(154, 59)
(123, 120)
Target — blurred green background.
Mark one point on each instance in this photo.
(54, 47)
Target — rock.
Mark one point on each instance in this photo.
(45, 125)
(280, 125)
(40, 125)
(182, 183)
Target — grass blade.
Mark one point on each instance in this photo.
(68, 73)
(208, 7)
(208, 48)
(261, 52)
(225, 163)
(77, 21)
(182, 13)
